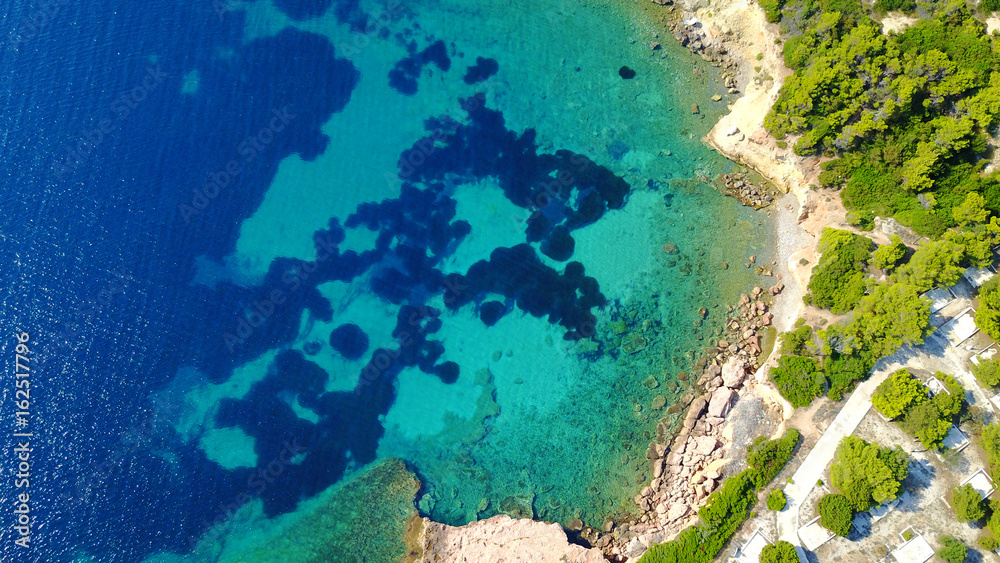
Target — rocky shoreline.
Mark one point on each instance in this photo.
(688, 468)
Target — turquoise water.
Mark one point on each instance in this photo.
(535, 425)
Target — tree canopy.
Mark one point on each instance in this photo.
(988, 314)
(838, 280)
(968, 504)
(779, 552)
(987, 372)
(798, 379)
(898, 393)
(867, 474)
(836, 514)
(887, 256)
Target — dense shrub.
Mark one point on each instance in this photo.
(887, 256)
(766, 458)
(952, 550)
(838, 280)
(780, 552)
(987, 542)
(772, 9)
(794, 342)
(987, 372)
(906, 6)
(798, 379)
(968, 504)
(836, 514)
(866, 474)
(898, 393)
(988, 314)
(777, 500)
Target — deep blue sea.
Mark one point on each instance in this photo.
(252, 248)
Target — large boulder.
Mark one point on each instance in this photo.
(705, 445)
(721, 401)
(733, 373)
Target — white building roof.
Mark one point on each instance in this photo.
(980, 481)
(955, 439)
(916, 550)
(979, 276)
(960, 328)
(750, 551)
(814, 535)
(940, 298)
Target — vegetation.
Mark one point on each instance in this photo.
(887, 256)
(898, 393)
(776, 500)
(968, 504)
(867, 475)
(930, 420)
(780, 552)
(838, 280)
(836, 514)
(798, 379)
(988, 314)
(728, 507)
(952, 550)
(795, 342)
(905, 116)
(987, 372)
(990, 442)
(988, 542)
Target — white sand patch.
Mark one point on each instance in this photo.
(895, 22)
(231, 448)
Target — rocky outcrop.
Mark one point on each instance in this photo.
(501, 539)
(687, 471)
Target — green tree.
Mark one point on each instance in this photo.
(935, 263)
(838, 280)
(968, 504)
(887, 318)
(866, 474)
(776, 500)
(798, 379)
(887, 256)
(836, 514)
(972, 210)
(780, 552)
(898, 393)
(925, 422)
(988, 314)
(987, 542)
(794, 342)
(987, 372)
(952, 550)
(766, 458)
(990, 442)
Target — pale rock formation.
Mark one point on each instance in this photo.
(502, 539)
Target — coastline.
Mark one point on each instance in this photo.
(732, 401)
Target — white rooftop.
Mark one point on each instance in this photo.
(916, 550)
(814, 535)
(960, 328)
(955, 439)
(979, 276)
(940, 297)
(750, 551)
(980, 481)
(988, 354)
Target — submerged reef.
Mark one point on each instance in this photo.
(337, 528)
